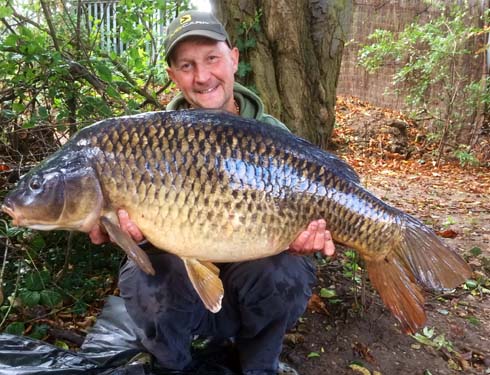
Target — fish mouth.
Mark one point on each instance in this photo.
(9, 210)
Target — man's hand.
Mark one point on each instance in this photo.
(98, 235)
(315, 238)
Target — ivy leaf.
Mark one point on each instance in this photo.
(36, 281)
(51, 298)
(243, 69)
(39, 331)
(15, 328)
(30, 298)
(37, 244)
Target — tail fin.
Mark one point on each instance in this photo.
(419, 258)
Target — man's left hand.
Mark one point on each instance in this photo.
(315, 238)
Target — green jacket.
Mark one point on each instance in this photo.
(251, 106)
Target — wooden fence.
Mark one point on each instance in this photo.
(394, 15)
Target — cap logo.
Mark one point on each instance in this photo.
(185, 18)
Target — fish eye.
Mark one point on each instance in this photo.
(35, 183)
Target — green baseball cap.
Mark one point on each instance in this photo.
(193, 23)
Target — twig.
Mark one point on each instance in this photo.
(12, 301)
(68, 248)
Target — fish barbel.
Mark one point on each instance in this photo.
(213, 187)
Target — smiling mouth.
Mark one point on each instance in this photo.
(207, 91)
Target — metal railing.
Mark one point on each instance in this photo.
(102, 18)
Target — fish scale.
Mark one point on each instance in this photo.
(213, 187)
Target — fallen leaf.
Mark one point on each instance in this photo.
(294, 338)
(360, 369)
(317, 305)
(448, 233)
(364, 352)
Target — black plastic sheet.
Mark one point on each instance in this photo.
(112, 347)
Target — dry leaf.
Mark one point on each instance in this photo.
(448, 233)
(317, 305)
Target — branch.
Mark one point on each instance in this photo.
(78, 70)
(162, 89)
(143, 92)
(27, 20)
(52, 31)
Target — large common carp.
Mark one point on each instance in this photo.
(213, 187)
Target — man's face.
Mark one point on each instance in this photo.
(203, 69)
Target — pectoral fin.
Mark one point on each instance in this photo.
(204, 278)
(124, 240)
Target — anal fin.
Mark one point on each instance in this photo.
(398, 290)
(204, 278)
(125, 242)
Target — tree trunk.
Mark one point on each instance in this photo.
(296, 59)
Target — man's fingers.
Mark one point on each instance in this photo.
(329, 246)
(318, 240)
(97, 236)
(128, 226)
(299, 242)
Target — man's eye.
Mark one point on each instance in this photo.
(185, 67)
(213, 58)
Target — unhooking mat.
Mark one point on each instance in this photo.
(112, 347)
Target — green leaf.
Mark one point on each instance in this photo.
(37, 243)
(61, 344)
(39, 331)
(15, 328)
(30, 298)
(471, 284)
(28, 124)
(18, 107)
(104, 72)
(11, 40)
(51, 298)
(112, 92)
(327, 293)
(475, 251)
(313, 355)
(473, 320)
(79, 308)
(43, 113)
(423, 339)
(6, 12)
(250, 43)
(37, 281)
(243, 69)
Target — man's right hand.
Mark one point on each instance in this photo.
(99, 236)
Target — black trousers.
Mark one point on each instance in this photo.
(263, 299)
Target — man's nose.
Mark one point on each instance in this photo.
(202, 74)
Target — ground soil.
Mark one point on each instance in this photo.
(357, 335)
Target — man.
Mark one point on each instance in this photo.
(263, 298)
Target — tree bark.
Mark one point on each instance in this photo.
(296, 60)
